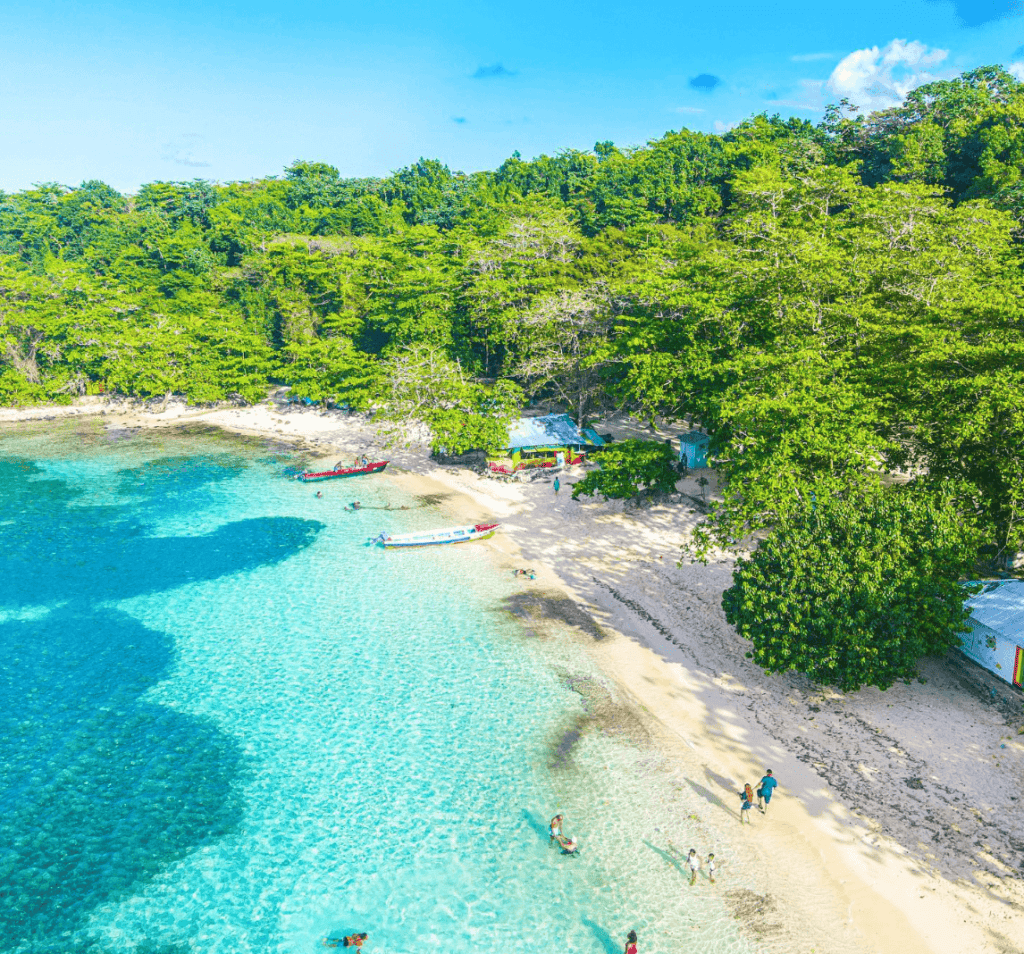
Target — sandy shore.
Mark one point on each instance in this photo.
(899, 822)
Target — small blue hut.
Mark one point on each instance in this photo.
(693, 448)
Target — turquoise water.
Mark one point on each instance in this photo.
(228, 725)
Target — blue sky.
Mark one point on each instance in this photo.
(130, 93)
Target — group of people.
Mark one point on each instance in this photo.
(529, 574)
(765, 790)
(569, 845)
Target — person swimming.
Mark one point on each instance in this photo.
(568, 844)
(353, 940)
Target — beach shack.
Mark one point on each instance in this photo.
(693, 449)
(553, 440)
(996, 637)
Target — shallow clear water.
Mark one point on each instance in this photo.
(228, 725)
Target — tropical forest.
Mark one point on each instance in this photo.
(838, 305)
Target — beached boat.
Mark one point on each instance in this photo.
(372, 468)
(432, 538)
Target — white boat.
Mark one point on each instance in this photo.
(432, 538)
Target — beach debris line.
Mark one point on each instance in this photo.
(428, 538)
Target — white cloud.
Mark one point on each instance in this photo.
(686, 109)
(811, 57)
(1016, 70)
(878, 78)
(721, 127)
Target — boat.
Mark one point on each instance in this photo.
(372, 468)
(432, 538)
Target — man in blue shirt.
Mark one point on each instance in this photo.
(765, 790)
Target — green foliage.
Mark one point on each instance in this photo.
(853, 590)
(834, 304)
(628, 469)
(421, 386)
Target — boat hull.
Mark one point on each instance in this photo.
(437, 538)
(374, 468)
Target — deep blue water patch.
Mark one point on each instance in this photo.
(99, 788)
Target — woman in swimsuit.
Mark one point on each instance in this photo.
(630, 943)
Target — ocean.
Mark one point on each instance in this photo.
(229, 724)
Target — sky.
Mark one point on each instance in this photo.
(137, 92)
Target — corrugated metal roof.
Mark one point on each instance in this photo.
(556, 429)
(694, 437)
(1000, 606)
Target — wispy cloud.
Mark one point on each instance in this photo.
(687, 109)
(721, 127)
(811, 57)
(1016, 70)
(182, 151)
(705, 82)
(806, 95)
(879, 78)
(493, 72)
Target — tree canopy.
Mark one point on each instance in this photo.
(838, 305)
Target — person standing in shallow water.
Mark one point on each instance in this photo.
(765, 790)
(555, 828)
(694, 862)
(557, 485)
(630, 943)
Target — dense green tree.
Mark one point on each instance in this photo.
(628, 469)
(853, 590)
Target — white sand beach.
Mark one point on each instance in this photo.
(898, 825)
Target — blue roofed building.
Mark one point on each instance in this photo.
(547, 441)
(996, 637)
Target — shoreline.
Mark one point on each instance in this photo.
(670, 653)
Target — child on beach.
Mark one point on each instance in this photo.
(712, 867)
(694, 862)
(746, 803)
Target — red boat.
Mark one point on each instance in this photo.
(372, 468)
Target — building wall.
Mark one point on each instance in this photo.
(995, 652)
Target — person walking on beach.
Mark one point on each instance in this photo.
(630, 943)
(557, 485)
(746, 803)
(712, 867)
(765, 790)
(694, 862)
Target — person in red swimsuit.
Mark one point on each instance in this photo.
(630, 943)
